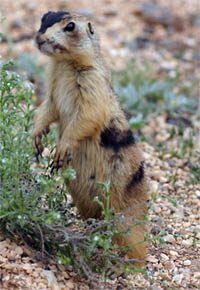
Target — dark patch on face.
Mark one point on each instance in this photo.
(50, 18)
(137, 177)
(113, 138)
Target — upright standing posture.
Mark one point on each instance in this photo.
(93, 133)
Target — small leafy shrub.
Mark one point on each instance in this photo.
(143, 96)
(22, 199)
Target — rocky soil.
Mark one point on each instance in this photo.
(129, 30)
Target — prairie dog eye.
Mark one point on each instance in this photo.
(69, 27)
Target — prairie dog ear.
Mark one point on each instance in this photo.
(90, 28)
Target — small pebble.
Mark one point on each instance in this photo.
(70, 285)
(197, 275)
(187, 263)
(151, 259)
(197, 193)
(46, 152)
(178, 278)
(170, 265)
(155, 230)
(169, 230)
(187, 243)
(164, 257)
(173, 253)
(157, 208)
(169, 239)
(155, 219)
(154, 186)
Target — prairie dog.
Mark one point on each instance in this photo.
(93, 133)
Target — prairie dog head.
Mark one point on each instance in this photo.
(67, 36)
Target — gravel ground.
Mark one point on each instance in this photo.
(175, 264)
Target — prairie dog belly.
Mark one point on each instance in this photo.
(93, 163)
(89, 163)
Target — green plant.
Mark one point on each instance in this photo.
(173, 201)
(195, 169)
(143, 96)
(194, 241)
(28, 64)
(23, 196)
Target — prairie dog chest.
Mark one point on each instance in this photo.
(65, 91)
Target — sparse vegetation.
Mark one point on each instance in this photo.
(143, 96)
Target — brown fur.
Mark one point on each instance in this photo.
(92, 128)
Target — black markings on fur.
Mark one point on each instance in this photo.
(46, 131)
(38, 146)
(116, 157)
(90, 28)
(113, 138)
(137, 177)
(50, 18)
(69, 158)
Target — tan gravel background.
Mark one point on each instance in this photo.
(176, 263)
